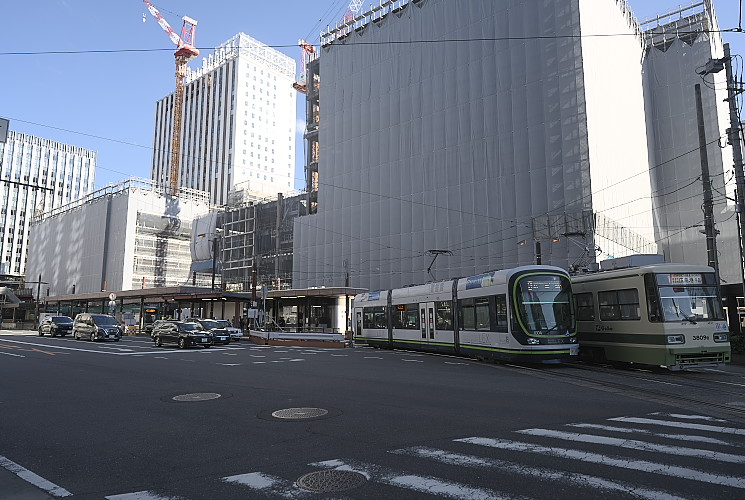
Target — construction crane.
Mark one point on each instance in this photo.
(184, 53)
(309, 51)
(355, 6)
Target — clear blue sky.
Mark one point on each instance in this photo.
(106, 101)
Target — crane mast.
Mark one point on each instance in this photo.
(184, 53)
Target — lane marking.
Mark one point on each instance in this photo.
(413, 360)
(596, 458)
(635, 445)
(11, 354)
(139, 495)
(32, 478)
(571, 478)
(690, 417)
(636, 430)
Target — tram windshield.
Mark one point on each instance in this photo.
(544, 305)
(689, 297)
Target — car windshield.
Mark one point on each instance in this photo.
(209, 324)
(189, 327)
(61, 320)
(104, 320)
(222, 323)
(543, 304)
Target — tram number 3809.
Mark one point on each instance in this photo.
(701, 337)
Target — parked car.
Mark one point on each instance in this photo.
(96, 327)
(219, 334)
(180, 333)
(235, 333)
(55, 325)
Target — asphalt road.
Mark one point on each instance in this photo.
(128, 421)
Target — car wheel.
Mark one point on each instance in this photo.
(41, 333)
(206, 346)
(93, 337)
(182, 343)
(158, 341)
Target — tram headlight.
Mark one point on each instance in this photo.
(676, 339)
(721, 337)
(533, 341)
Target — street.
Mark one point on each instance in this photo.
(127, 420)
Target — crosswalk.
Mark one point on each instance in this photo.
(658, 456)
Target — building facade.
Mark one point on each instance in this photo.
(36, 175)
(439, 160)
(238, 123)
(130, 236)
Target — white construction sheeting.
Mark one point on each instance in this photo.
(453, 124)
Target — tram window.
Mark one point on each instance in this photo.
(619, 305)
(501, 307)
(585, 306)
(373, 317)
(444, 315)
(406, 316)
(475, 314)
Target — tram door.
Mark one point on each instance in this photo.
(427, 320)
(359, 323)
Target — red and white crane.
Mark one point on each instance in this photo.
(185, 52)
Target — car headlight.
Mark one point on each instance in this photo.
(676, 339)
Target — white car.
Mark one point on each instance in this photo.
(235, 333)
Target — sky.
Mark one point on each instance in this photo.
(101, 95)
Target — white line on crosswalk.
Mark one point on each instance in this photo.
(502, 466)
(689, 417)
(669, 423)
(425, 484)
(32, 478)
(636, 430)
(634, 444)
(625, 463)
(269, 484)
(139, 495)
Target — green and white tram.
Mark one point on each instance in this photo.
(667, 315)
(522, 314)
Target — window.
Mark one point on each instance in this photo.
(406, 316)
(619, 305)
(475, 314)
(373, 317)
(444, 315)
(585, 306)
(501, 307)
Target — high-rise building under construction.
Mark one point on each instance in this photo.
(238, 127)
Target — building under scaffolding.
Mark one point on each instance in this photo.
(133, 235)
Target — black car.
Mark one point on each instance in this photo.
(55, 325)
(150, 327)
(219, 334)
(96, 327)
(181, 333)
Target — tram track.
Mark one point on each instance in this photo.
(666, 397)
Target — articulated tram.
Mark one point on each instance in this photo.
(523, 314)
(667, 315)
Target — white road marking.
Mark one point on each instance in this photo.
(11, 354)
(413, 360)
(636, 445)
(571, 478)
(270, 485)
(32, 478)
(139, 495)
(340, 355)
(257, 355)
(636, 430)
(595, 458)
(454, 363)
(690, 417)
(259, 362)
(230, 364)
(372, 357)
(425, 484)
(668, 423)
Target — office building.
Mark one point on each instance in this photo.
(36, 175)
(238, 123)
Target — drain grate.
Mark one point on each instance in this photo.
(327, 481)
(197, 396)
(299, 413)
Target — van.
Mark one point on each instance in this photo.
(96, 327)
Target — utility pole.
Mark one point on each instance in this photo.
(708, 205)
(733, 137)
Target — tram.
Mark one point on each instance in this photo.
(520, 315)
(665, 315)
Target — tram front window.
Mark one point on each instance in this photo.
(543, 304)
(689, 297)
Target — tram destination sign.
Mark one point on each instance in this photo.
(686, 279)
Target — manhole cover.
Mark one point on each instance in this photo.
(197, 396)
(326, 481)
(298, 413)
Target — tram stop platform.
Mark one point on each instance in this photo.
(301, 339)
